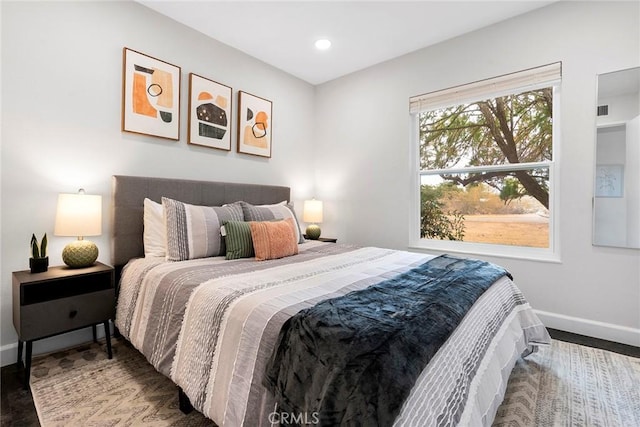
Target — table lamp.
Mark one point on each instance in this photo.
(79, 215)
(312, 212)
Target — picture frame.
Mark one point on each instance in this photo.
(609, 181)
(209, 120)
(255, 122)
(150, 95)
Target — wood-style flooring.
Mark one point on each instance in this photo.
(18, 410)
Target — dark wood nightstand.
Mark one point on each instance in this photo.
(324, 239)
(327, 239)
(60, 300)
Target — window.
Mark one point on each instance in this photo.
(485, 164)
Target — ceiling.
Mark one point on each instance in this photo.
(617, 83)
(362, 33)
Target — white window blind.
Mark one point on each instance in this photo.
(521, 81)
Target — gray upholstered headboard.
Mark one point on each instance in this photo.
(129, 192)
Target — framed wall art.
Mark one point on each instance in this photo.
(609, 180)
(254, 125)
(209, 113)
(150, 96)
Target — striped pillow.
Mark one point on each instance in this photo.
(237, 236)
(194, 231)
(282, 210)
(273, 239)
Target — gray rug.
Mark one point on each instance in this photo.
(82, 387)
(564, 385)
(572, 385)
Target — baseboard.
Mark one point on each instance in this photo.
(590, 328)
(9, 352)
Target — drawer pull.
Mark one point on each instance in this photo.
(73, 314)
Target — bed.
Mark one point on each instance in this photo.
(225, 330)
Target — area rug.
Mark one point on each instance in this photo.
(82, 387)
(562, 385)
(572, 385)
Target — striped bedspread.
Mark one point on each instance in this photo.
(211, 326)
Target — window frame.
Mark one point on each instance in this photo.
(549, 254)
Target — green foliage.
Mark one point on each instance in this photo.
(39, 250)
(434, 222)
(505, 130)
(511, 190)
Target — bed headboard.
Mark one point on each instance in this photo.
(129, 192)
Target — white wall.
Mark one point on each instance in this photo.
(61, 97)
(61, 106)
(363, 159)
(621, 109)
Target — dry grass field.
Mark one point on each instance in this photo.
(523, 230)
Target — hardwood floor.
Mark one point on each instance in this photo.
(627, 350)
(18, 410)
(16, 405)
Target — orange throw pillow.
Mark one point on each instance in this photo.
(273, 239)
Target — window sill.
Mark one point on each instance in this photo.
(482, 249)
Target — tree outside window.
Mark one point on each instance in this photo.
(484, 170)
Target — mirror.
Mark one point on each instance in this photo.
(616, 198)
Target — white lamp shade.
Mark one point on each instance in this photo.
(312, 211)
(78, 215)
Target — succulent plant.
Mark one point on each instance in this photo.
(39, 251)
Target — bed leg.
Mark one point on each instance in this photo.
(183, 402)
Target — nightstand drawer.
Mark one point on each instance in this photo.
(65, 314)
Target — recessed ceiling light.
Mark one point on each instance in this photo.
(323, 44)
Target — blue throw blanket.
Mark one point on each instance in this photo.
(353, 360)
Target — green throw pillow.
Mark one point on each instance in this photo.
(237, 236)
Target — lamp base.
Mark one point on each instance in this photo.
(80, 253)
(313, 232)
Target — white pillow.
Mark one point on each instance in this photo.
(155, 232)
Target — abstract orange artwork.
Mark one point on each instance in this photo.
(209, 113)
(254, 125)
(150, 96)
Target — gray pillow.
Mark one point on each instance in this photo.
(194, 231)
(282, 210)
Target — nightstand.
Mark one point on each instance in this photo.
(327, 239)
(60, 300)
(324, 239)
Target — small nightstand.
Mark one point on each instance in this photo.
(324, 239)
(60, 300)
(327, 239)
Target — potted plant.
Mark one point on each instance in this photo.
(39, 260)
